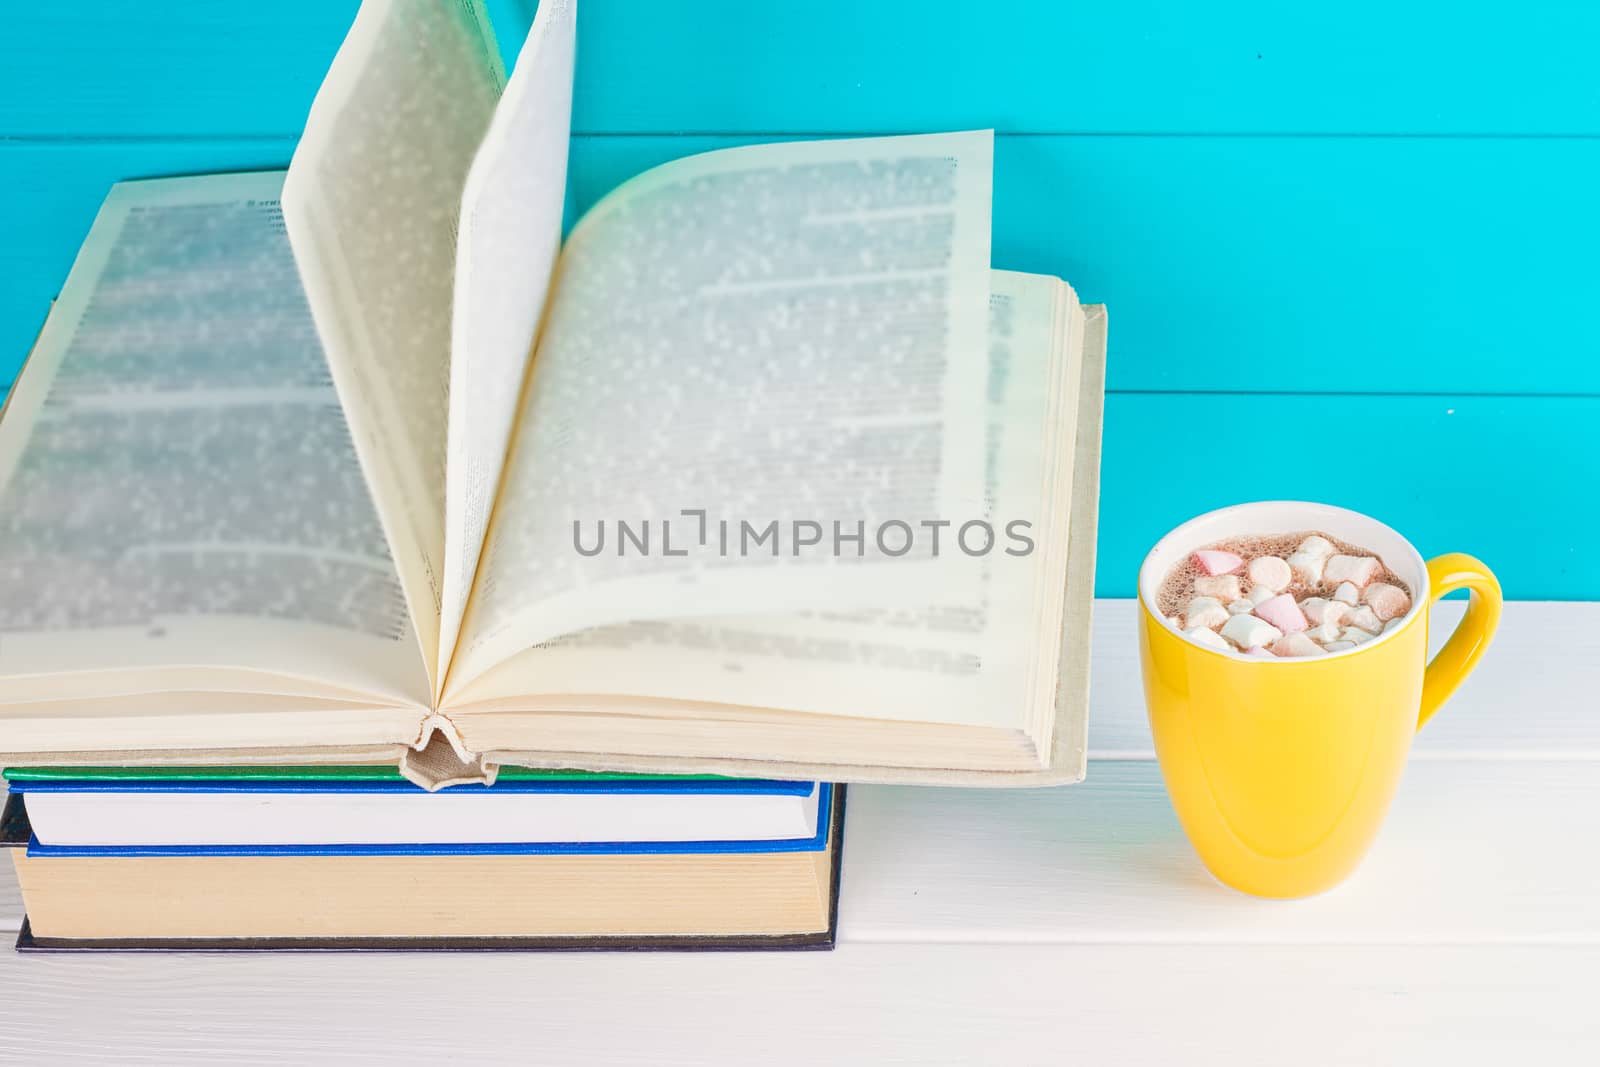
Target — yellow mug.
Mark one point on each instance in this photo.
(1281, 770)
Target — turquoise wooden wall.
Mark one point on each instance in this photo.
(1368, 232)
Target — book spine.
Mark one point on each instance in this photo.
(438, 758)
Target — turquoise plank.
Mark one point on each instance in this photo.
(1512, 480)
(1071, 65)
(109, 67)
(1231, 264)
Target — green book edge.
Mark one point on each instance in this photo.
(361, 772)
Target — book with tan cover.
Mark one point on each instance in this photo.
(363, 462)
(614, 899)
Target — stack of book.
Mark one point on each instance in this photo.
(761, 472)
(357, 857)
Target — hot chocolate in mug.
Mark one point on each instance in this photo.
(1281, 769)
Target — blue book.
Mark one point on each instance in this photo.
(373, 811)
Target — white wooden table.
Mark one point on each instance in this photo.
(1052, 926)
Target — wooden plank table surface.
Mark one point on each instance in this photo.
(1033, 926)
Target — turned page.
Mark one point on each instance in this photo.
(960, 662)
(505, 256)
(182, 507)
(372, 201)
(772, 354)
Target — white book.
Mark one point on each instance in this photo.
(363, 462)
(164, 814)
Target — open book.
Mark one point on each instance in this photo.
(763, 471)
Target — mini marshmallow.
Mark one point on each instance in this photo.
(1257, 650)
(1324, 612)
(1243, 606)
(1296, 645)
(1259, 593)
(1338, 646)
(1270, 572)
(1282, 612)
(1355, 635)
(1307, 567)
(1204, 611)
(1214, 561)
(1224, 588)
(1363, 618)
(1323, 634)
(1200, 635)
(1347, 593)
(1247, 631)
(1175, 622)
(1386, 601)
(1357, 570)
(1320, 547)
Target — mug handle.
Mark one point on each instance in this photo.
(1446, 574)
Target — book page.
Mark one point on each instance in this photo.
(960, 662)
(371, 202)
(180, 488)
(781, 345)
(505, 256)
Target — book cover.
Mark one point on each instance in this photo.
(300, 786)
(815, 843)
